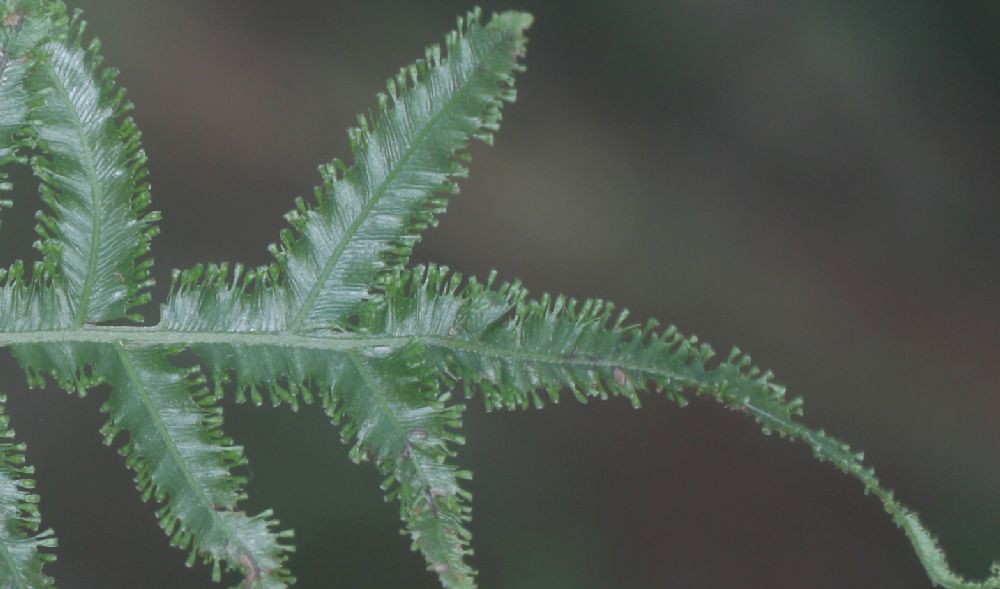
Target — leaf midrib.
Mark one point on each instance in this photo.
(145, 337)
(335, 341)
(93, 256)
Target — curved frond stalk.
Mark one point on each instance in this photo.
(368, 216)
(93, 173)
(178, 451)
(23, 549)
(515, 348)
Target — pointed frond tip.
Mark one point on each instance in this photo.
(367, 216)
(515, 348)
(24, 550)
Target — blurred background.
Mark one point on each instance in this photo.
(813, 181)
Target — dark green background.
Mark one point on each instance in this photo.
(814, 181)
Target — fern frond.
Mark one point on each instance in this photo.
(386, 397)
(176, 447)
(515, 348)
(182, 458)
(93, 174)
(404, 425)
(23, 549)
(368, 216)
(335, 318)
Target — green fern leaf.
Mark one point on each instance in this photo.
(22, 547)
(404, 425)
(515, 348)
(388, 400)
(93, 177)
(365, 221)
(336, 318)
(176, 448)
(182, 458)
(367, 216)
